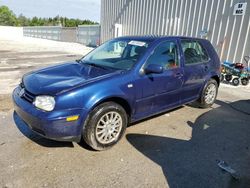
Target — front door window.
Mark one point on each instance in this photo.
(166, 55)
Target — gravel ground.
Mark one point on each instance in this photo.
(25, 54)
(180, 148)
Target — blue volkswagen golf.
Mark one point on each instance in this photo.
(122, 81)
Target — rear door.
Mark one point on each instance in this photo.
(195, 69)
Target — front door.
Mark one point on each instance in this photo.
(160, 91)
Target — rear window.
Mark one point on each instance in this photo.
(193, 52)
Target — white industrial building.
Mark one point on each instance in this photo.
(224, 22)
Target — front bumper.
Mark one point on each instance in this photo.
(52, 125)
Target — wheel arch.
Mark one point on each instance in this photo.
(216, 78)
(116, 99)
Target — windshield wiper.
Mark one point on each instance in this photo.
(79, 60)
(90, 64)
(96, 65)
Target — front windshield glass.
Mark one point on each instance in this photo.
(117, 54)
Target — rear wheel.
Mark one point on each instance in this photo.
(236, 81)
(105, 126)
(209, 94)
(244, 81)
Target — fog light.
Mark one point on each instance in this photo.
(72, 118)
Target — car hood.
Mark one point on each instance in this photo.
(52, 80)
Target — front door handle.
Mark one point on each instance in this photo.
(178, 75)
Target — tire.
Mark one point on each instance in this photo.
(209, 94)
(222, 77)
(95, 126)
(228, 77)
(236, 81)
(244, 81)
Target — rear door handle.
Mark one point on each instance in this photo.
(206, 68)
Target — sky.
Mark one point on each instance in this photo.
(82, 9)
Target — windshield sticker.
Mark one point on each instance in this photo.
(136, 43)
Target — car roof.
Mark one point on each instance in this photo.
(151, 38)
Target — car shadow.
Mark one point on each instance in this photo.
(84, 145)
(27, 132)
(155, 116)
(219, 134)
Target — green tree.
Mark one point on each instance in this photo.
(23, 21)
(7, 17)
(34, 21)
(70, 23)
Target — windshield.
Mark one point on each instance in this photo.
(117, 54)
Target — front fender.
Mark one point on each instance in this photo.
(105, 95)
(89, 96)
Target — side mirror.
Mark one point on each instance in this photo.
(153, 68)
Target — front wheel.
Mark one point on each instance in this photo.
(209, 94)
(105, 126)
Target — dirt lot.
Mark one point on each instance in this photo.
(180, 148)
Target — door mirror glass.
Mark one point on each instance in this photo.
(153, 68)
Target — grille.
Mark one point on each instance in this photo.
(28, 96)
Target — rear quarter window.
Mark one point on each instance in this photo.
(194, 52)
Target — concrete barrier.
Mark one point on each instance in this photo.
(88, 35)
(44, 32)
(9, 32)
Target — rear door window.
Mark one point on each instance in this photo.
(193, 52)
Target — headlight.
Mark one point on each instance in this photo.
(45, 102)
